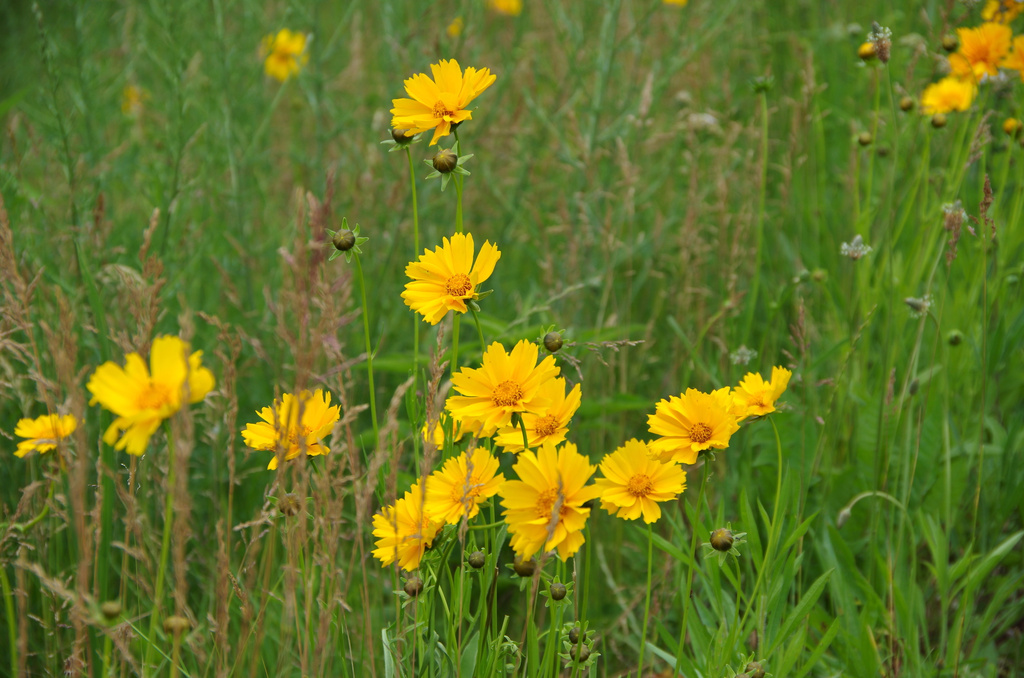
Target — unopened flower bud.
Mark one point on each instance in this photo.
(721, 539)
(864, 139)
(553, 341)
(524, 568)
(111, 609)
(344, 240)
(950, 43)
(574, 635)
(557, 591)
(843, 516)
(176, 625)
(1012, 127)
(413, 586)
(445, 161)
(907, 104)
(955, 338)
(288, 505)
(477, 559)
(399, 136)
(579, 653)
(867, 51)
(755, 670)
(938, 120)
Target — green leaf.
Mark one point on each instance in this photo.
(809, 598)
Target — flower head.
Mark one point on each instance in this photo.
(439, 103)
(548, 425)
(755, 397)
(404, 531)
(454, 29)
(142, 398)
(633, 483)
(446, 278)
(284, 54)
(506, 7)
(1015, 59)
(948, 94)
(1002, 11)
(132, 97)
(544, 509)
(984, 47)
(506, 384)
(43, 433)
(458, 488)
(690, 423)
(294, 425)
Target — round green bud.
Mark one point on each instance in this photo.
(574, 635)
(955, 338)
(477, 559)
(553, 341)
(864, 139)
(755, 670)
(445, 161)
(111, 609)
(398, 135)
(950, 43)
(938, 120)
(721, 539)
(524, 568)
(907, 104)
(413, 586)
(344, 240)
(176, 625)
(557, 591)
(579, 653)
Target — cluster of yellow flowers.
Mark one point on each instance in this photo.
(982, 51)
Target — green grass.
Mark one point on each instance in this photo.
(627, 166)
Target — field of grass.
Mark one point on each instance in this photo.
(686, 193)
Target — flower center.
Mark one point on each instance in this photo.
(545, 502)
(441, 111)
(700, 433)
(547, 425)
(640, 485)
(154, 397)
(507, 394)
(459, 285)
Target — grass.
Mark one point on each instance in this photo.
(666, 184)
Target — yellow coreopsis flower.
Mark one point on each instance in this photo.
(755, 397)
(506, 384)
(142, 399)
(446, 278)
(691, 423)
(544, 426)
(677, 3)
(404, 531)
(284, 54)
(1002, 11)
(984, 47)
(948, 94)
(1015, 59)
(43, 433)
(461, 485)
(634, 483)
(439, 103)
(454, 29)
(294, 425)
(131, 100)
(544, 509)
(507, 7)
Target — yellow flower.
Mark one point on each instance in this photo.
(1002, 11)
(439, 103)
(545, 426)
(691, 423)
(284, 54)
(544, 509)
(633, 483)
(43, 432)
(984, 47)
(507, 7)
(446, 278)
(677, 3)
(282, 428)
(131, 100)
(755, 397)
(867, 51)
(1012, 127)
(461, 485)
(1015, 60)
(507, 383)
(948, 94)
(404, 531)
(455, 27)
(142, 400)
(438, 437)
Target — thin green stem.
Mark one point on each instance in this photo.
(26, 526)
(165, 547)
(415, 255)
(457, 180)
(479, 331)
(369, 349)
(526, 438)
(756, 280)
(693, 565)
(12, 634)
(456, 323)
(647, 597)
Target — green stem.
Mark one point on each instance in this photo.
(165, 547)
(12, 634)
(415, 255)
(647, 597)
(369, 349)
(455, 342)
(26, 526)
(756, 281)
(457, 180)
(522, 427)
(693, 565)
(479, 332)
